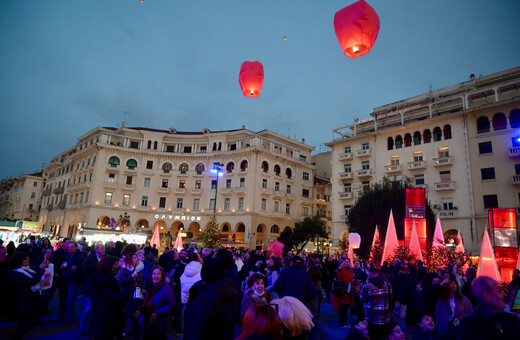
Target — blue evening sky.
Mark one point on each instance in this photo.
(67, 66)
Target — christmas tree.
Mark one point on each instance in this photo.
(211, 234)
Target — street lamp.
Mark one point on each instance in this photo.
(217, 170)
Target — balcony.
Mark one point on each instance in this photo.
(163, 190)
(278, 193)
(49, 207)
(363, 153)
(266, 191)
(290, 197)
(59, 190)
(128, 187)
(61, 205)
(442, 161)
(345, 195)
(448, 214)
(345, 175)
(515, 179)
(343, 217)
(514, 152)
(345, 156)
(196, 191)
(110, 184)
(239, 189)
(46, 192)
(417, 165)
(445, 186)
(364, 173)
(226, 191)
(180, 190)
(166, 173)
(143, 208)
(390, 169)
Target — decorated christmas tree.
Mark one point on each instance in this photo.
(211, 234)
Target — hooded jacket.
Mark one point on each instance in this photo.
(189, 277)
(487, 322)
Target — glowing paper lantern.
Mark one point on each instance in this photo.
(276, 248)
(354, 240)
(178, 242)
(251, 78)
(487, 263)
(391, 241)
(356, 28)
(415, 246)
(438, 236)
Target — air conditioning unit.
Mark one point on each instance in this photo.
(437, 206)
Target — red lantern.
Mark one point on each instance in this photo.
(356, 27)
(251, 78)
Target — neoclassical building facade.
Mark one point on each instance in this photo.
(163, 179)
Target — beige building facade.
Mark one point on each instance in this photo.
(460, 143)
(162, 178)
(21, 197)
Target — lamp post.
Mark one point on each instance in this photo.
(217, 170)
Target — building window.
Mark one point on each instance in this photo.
(348, 149)
(147, 182)
(276, 206)
(485, 147)
(427, 136)
(227, 204)
(263, 206)
(365, 165)
(445, 176)
(33, 194)
(305, 193)
(264, 183)
(35, 184)
(305, 176)
(241, 203)
(365, 185)
(483, 125)
(183, 168)
(187, 149)
(490, 201)
(447, 203)
(108, 198)
(111, 178)
(394, 160)
(242, 182)
(164, 183)
(212, 204)
(213, 184)
(365, 146)
(390, 143)
(444, 152)
(129, 180)
(488, 173)
(162, 202)
(196, 204)
(144, 201)
(86, 197)
(288, 208)
(437, 134)
(126, 199)
(416, 138)
(398, 142)
(228, 183)
(348, 167)
(81, 198)
(419, 179)
(167, 167)
(198, 184)
(305, 211)
(346, 209)
(417, 156)
(289, 188)
(243, 165)
(180, 202)
(407, 140)
(149, 164)
(517, 169)
(182, 184)
(447, 131)
(303, 158)
(230, 166)
(199, 168)
(347, 187)
(276, 186)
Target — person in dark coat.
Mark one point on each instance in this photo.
(71, 274)
(58, 258)
(127, 279)
(426, 330)
(107, 301)
(360, 331)
(88, 268)
(212, 308)
(471, 274)
(295, 281)
(4, 278)
(27, 283)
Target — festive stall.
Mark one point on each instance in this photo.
(503, 234)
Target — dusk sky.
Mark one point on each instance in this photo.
(67, 66)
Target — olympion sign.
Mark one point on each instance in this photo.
(178, 217)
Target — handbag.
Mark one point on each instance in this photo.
(339, 288)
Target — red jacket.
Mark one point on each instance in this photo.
(347, 275)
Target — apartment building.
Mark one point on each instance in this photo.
(162, 178)
(21, 197)
(461, 143)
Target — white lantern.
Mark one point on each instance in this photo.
(355, 240)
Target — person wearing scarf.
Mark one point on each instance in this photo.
(255, 295)
(27, 282)
(159, 302)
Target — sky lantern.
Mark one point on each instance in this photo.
(357, 27)
(487, 263)
(276, 248)
(391, 241)
(354, 240)
(438, 236)
(415, 246)
(251, 78)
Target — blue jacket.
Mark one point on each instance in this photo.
(295, 282)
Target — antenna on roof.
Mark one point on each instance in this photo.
(124, 117)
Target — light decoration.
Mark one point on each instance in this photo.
(251, 78)
(487, 263)
(460, 245)
(415, 246)
(438, 236)
(391, 242)
(504, 240)
(356, 27)
(178, 241)
(156, 239)
(276, 248)
(374, 241)
(415, 214)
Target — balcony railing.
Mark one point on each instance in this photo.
(266, 191)
(110, 184)
(59, 190)
(416, 165)
(163, 190)
(345, 195)
(448, 214)
(61, 205)
(393, 168)
(364, 173)
(180, 190)
(239, 189)
(441, 161)
(345, 156)
(196, 191)
(49, 207)
(278, 193)
(515, 179)
(345, 175)
(128, 186)
(443, 186)
(46, 192)
(514, 152)
(363, 153)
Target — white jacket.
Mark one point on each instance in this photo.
(189, 277)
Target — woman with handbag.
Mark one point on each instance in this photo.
(159, 302)
(342, 299)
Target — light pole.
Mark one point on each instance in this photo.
(217, 170)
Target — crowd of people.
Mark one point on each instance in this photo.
(129, 290)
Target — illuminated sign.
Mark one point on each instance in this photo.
(178, 217)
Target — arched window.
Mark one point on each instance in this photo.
(265, 166)
(398, 142)
(259, 229)
(241, 228)
(416, 138)
(243, 165)
(427, 136)
(131, 164)
(275, 229)
(230, 166)
(167, 167)
(390, 145)
(277, 169)
(155, 145)
(437, 134)
(407, 140)
(225, 228)
(447, 131)
(183, 168)
(288, 173)
(499, 121)
(483, 124)
(114, 161)
(199, 168)
(514, 118)
(287, 229)
(149, 144)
